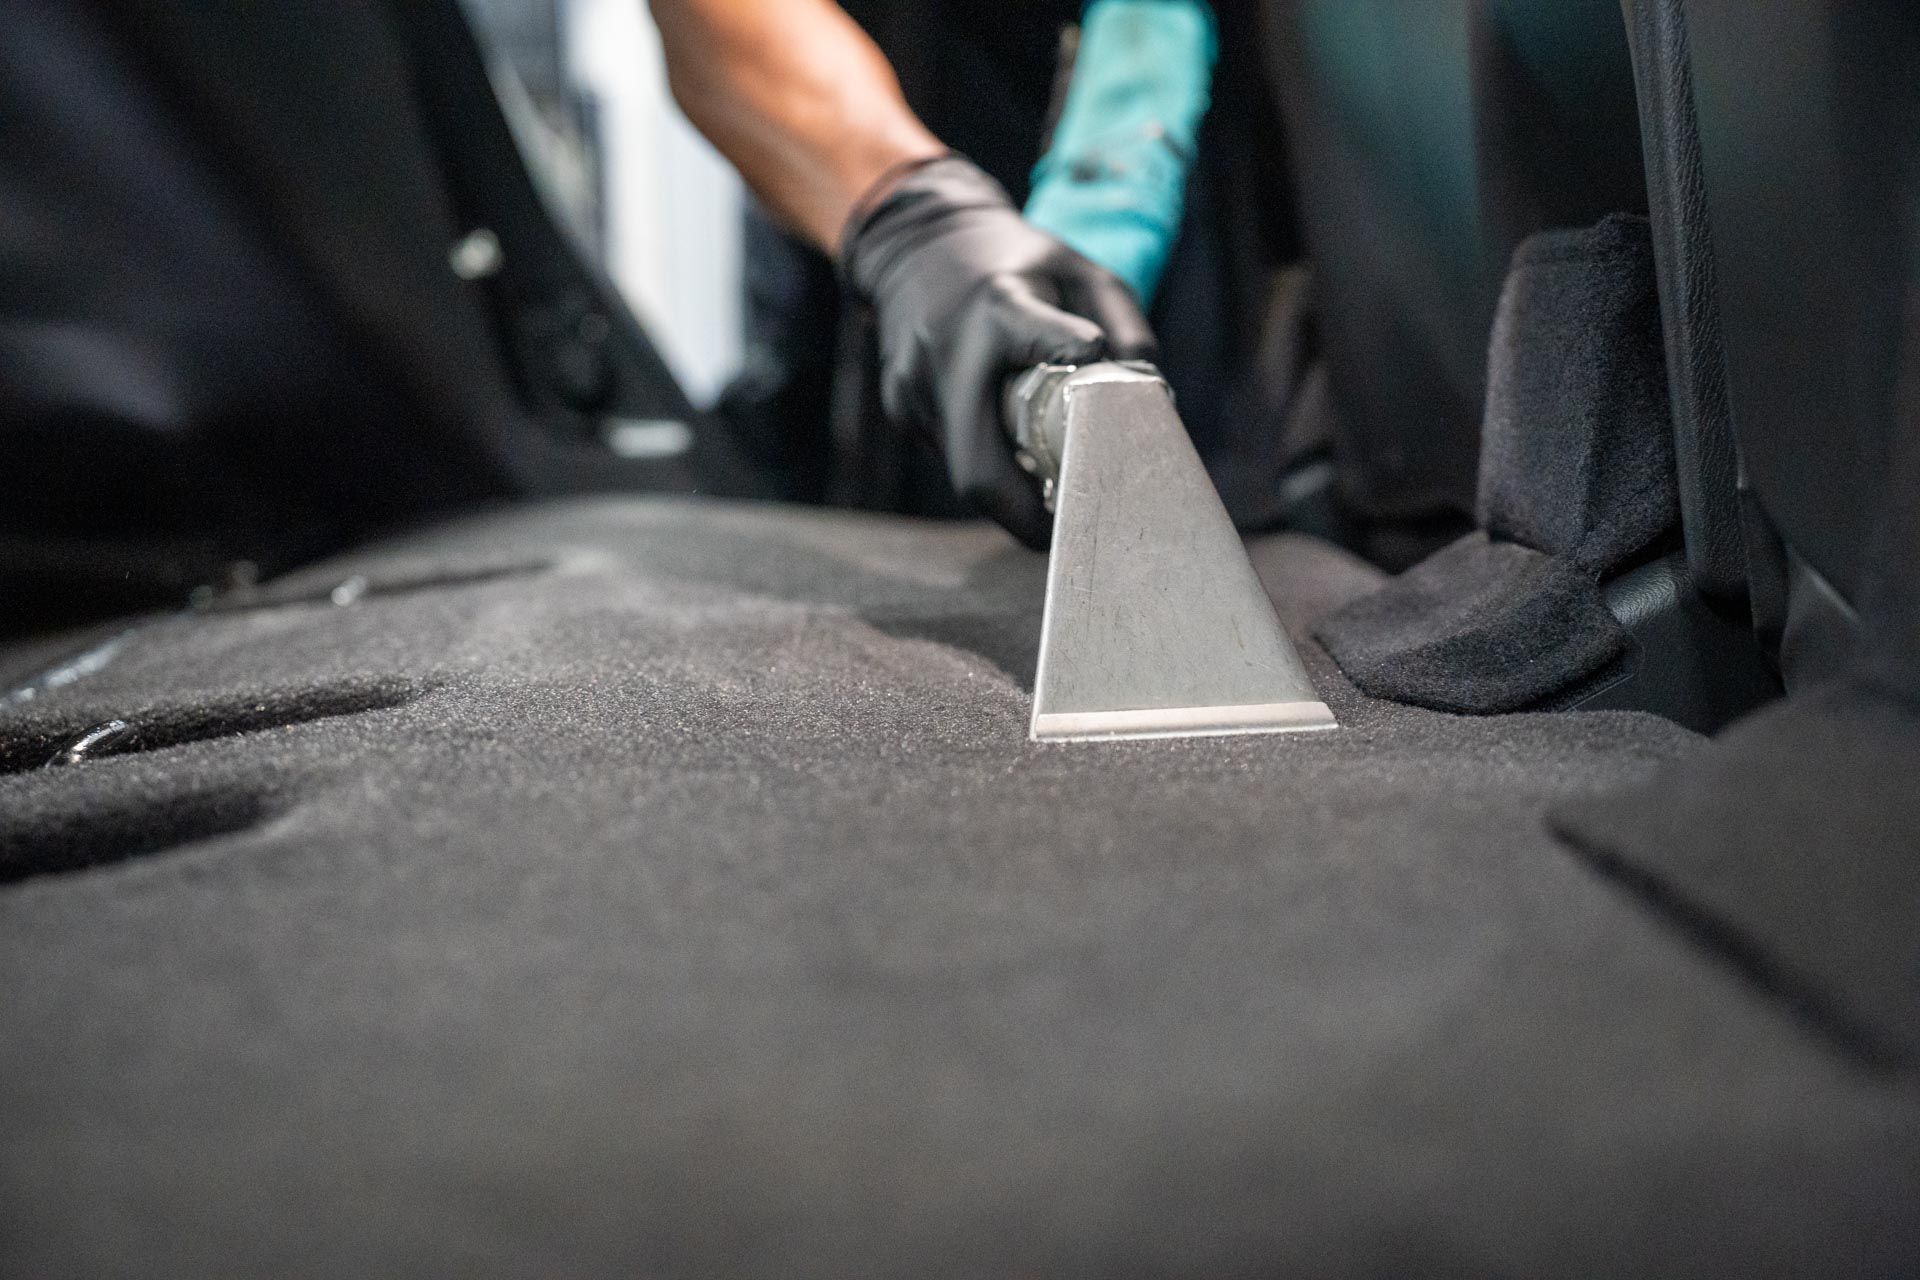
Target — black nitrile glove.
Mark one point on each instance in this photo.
(967, 295)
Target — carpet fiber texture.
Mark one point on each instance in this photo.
(654, 888)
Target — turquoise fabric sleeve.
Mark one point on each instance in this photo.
(1113, 184)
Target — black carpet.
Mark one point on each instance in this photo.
(672, 892)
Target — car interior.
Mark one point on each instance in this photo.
(467, 809)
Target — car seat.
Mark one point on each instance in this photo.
(1789, 248)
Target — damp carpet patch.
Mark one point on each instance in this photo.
(702, 910)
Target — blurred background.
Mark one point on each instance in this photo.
(620, 317)
(586, 93)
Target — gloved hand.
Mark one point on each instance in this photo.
(967, 294)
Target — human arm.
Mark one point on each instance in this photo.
(966, 294)
(798, 99)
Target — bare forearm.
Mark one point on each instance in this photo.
(797, 97)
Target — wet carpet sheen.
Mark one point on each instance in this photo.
(654, 888)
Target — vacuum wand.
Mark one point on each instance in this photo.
(1156, 625)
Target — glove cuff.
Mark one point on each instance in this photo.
(880, 188)
(905, 203)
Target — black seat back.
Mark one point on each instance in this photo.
(1808, 117)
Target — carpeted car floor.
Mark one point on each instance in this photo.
(667, 889)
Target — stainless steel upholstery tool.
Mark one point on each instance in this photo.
(1156, 625)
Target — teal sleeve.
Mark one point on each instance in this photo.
(1113, 184)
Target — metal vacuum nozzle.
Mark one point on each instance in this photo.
(1156, 625)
